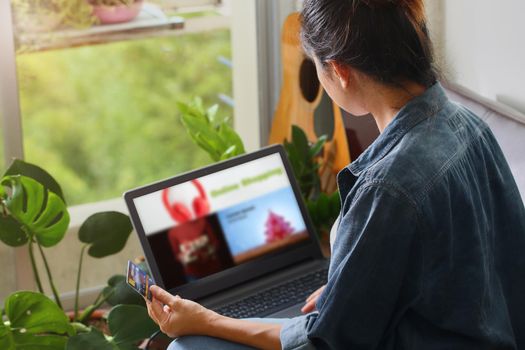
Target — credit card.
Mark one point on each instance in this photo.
(139, 280)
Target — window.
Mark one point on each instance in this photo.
(6, 253)
(103, 119)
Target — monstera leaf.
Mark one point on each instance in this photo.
(106, 233)
(11, 232)
(41, 212)
(128, 325)
(33, 322)
(19, 167)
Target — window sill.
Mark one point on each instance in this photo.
(79, 213)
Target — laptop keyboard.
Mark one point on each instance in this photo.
(276, 298)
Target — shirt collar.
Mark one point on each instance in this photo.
(414, 112)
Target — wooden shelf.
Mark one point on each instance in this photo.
(151, 21)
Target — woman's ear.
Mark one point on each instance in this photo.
(342, 72)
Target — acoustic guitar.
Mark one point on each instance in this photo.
(303, 102)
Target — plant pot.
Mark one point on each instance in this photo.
(97, 319)
(117, 14)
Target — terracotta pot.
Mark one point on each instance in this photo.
(117, 14)
(97, 319)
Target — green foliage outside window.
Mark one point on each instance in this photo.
(103, 119)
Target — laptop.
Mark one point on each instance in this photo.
(234, 236)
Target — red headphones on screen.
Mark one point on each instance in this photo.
(180, 212)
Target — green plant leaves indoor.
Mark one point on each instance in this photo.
(34, 322)
(324, 210)
(301, 143)
(19, 167)
(210, 132)
(130, 323)
(93, 340)
(121, 293)
(106, 232)
(43, 213)
(231, 137)
(20, 341)
(11, 233)
(318, 146)
(302, 156)
(36, 313)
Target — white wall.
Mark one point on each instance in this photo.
(481, 45)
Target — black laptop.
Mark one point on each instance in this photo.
(234, 236)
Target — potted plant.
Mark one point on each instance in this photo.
(33, 213)
(116, 11)
(215, 136)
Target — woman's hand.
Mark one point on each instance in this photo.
(309, 306)
(177, 317)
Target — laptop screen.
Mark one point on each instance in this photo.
(228, 218)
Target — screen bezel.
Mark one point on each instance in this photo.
(228, 278)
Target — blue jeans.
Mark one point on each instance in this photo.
(202, 342)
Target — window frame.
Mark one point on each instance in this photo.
(255, 43)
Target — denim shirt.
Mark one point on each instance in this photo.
(430, 247)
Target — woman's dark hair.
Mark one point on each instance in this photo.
(385, 39)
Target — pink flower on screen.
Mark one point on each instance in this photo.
(277, 228)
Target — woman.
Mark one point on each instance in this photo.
(428, 252)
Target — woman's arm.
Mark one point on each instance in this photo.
(178, 317)
(258, 335)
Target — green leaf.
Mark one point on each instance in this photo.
(300, 141)
(120, 293)
(11, 233)
(318, 146)
(130, 323)
(230, 153)
(294, 158)
(208, 146)
(6, 337)
(323, 207)
(205, 136)
(106, 232)
(335, 204)
(230, 137)
(182, 107)
(200, 127)
(211, 114)
(79, 327)
(312, 210)
(14, 340)
(198, 106)
(93, 340)
(35, 313)
(43, 213)
(19, 167)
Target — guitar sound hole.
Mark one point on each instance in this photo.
(308, 80)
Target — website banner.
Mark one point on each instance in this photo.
(210, 194)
